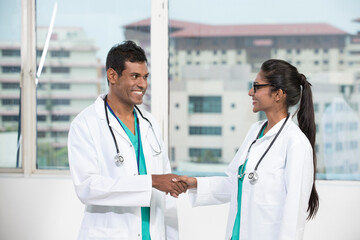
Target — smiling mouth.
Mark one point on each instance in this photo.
(139, 92)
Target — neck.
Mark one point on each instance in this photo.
(121, 110)
(274, 118)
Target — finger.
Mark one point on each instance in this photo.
(185, 186)
(182, 179)
(176, 188)
(174, 195)
(182, 186)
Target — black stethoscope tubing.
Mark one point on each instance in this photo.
(272, 142)
(118, 158)
(253, 175)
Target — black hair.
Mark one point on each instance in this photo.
(121, 53)
(282, 75)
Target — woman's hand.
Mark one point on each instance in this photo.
(190, 181)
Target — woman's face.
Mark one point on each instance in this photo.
(263, 99)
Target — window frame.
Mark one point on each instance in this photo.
(28, 52)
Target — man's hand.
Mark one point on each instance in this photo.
(166, 184)
(191, 182)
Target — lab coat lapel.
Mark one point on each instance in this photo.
(114, 124)
(274, 130)
(144, 129)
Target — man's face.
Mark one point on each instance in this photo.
(131, 86)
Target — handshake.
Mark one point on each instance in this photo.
(173, 184)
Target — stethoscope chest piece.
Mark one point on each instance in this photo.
(118, 160)
(253, 177)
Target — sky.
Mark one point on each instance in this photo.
(102, 20)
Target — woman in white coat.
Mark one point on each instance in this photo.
(271, 180)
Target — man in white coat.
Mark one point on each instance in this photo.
(117, 158)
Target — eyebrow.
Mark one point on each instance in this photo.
(135, 73)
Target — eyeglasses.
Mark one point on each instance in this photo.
(257, 86)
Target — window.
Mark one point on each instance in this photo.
(205, 104)
(316, 107)
(41, 118)
(10, 86)
(339, 146)
(60, 118)
(205, 155)
(11, 69)
(11, 52)
(62, 134)
(60, 54)
(195, 130)
(75, 60)
(10, 101)
(230, 78)
(84, 64)
(60, 102)
(41, 101)
(60, 86)
(60, 70)
(13, 118)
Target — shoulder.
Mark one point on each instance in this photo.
(84, 116)
(147, 115)
(91, 112)
(295, 137)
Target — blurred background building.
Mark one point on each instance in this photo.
(212, 67)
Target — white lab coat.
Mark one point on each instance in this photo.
(275, 208)
(114, 195)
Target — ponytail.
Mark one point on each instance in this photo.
(306, 120)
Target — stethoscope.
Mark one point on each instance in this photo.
(119, 159)
(253, 176)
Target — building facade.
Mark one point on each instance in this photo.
(211, 69)
(70, 81)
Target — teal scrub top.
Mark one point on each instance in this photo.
(236, 228)
(136, 142)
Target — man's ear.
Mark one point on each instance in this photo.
(112, 75)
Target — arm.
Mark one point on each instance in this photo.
(208, 190)
(298, 179)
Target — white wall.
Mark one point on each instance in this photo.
(46, 208)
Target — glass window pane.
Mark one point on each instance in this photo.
(74, 69)
(10, 28)
(216, 53)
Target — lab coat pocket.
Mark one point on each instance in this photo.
(102, 233)
(270, 188)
